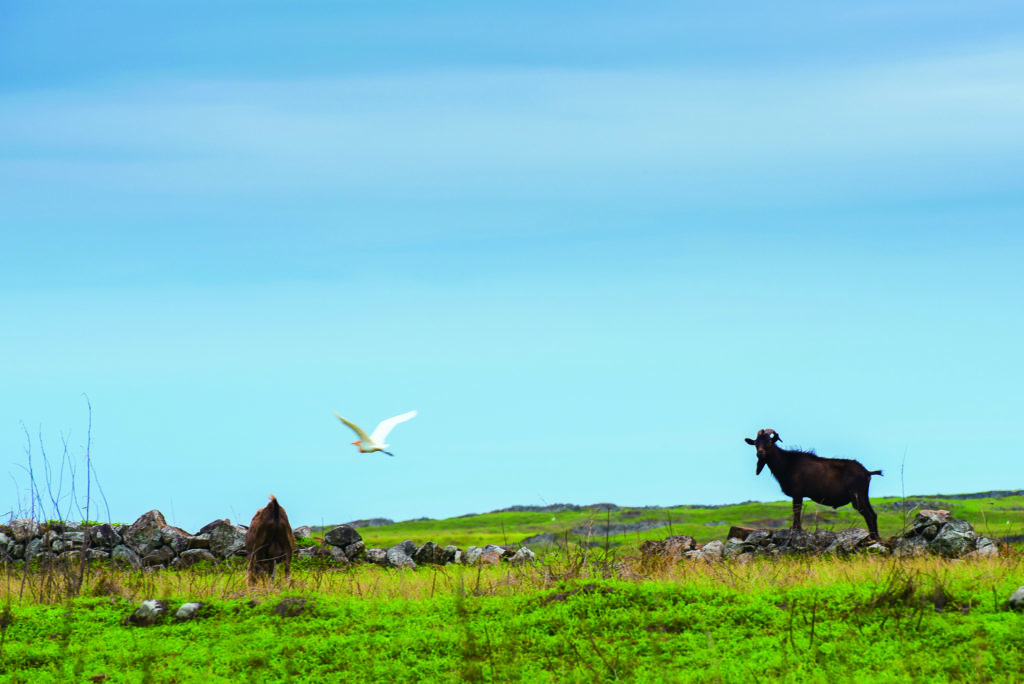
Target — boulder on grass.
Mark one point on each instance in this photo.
(149, 613)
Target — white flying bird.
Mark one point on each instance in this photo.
(367, 444)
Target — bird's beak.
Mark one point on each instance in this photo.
(356, 442)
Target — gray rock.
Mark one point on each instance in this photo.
(399, 557)
(175, 537)
(337, 554)
(24, 530)
(939, 517)
(145, 535)
(36, 548)
(104, 536)
(73, 539)
(759, 538)
(523, 555)
(342, 536)
(927, 524)
(712, 550)
(956, 538)
(377, 557)
(311, 552)
(353, 551)
(846, 541)
(877, 548)
(987, 548)
(822, 539)
(926, 532)
(302, 532)
(97, 554)
(198, 541)
(123, 555)
(1016, 601)
(187, 611)
(737, 547)
(494, 548)
(190, 557)
(158, 557)
(472, 555)
(910, 546)
(803, 541)
(149, 613)
(429, 554)
(226, 539)
(452, 554)
(5, 540)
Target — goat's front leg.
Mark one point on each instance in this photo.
(798, 505)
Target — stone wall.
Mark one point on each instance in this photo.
(931, 532)
(150, 542)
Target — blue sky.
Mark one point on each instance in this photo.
(594, 245)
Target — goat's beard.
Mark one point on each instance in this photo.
(760, 466)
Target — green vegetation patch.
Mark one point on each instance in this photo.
(789, 620)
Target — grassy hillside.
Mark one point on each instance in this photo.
(994, 516)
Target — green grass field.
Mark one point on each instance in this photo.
(582, 613)
(795, 620)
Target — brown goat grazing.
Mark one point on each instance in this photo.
(831, 482)
(269, 541)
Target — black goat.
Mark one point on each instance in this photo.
(831, 482)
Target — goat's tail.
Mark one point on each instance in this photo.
(870, 472)
(276, 506)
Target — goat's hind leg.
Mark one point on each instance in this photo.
(863, 506)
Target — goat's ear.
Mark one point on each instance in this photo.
(776, 438)
(749, 441)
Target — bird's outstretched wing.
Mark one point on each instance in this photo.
(380, 433)
(358, 430)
